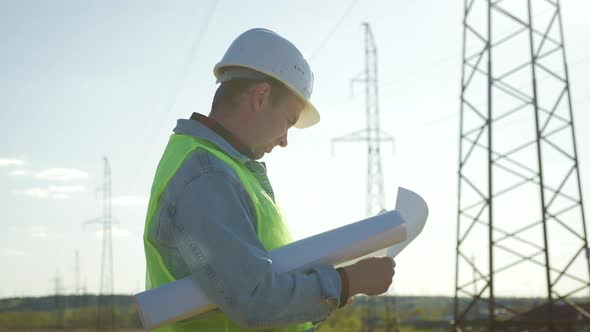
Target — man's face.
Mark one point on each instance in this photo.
(274, 123)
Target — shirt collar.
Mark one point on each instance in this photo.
(203, 127)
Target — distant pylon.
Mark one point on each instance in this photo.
(77, 290)
(520, 206)
(106, 270)
(106, 313)
(76, 299)
(59, 300)
(372, 134)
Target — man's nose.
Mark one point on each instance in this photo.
(283, 142)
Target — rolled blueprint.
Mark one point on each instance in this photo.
(184, 299)
(415, 212)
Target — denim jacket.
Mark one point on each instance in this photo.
(206, 201)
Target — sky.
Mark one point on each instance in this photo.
(85, 79)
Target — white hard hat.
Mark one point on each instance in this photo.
(265, 51)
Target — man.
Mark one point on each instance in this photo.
(212, 213)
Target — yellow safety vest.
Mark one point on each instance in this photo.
(271, 229)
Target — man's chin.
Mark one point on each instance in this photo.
(259, 155)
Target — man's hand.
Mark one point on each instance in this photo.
(370, 276)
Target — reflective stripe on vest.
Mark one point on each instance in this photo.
(271, 229)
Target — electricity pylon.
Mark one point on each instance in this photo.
(372, 134)
(106, 307)
(520, 206)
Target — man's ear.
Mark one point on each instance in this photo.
(260, 94)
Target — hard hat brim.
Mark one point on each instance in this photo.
(309, 115)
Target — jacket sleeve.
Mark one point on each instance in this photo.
(213, 230)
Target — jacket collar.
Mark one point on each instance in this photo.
(208, 130)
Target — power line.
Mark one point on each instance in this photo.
(425, 68)
(413, 74)
(333, 30)
(171, 101)
(190, 58)
(581, 60)
(422, 68)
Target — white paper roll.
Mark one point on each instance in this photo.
(184, 299)
(415, 212)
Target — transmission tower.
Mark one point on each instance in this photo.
(106, 314)
(76, 298)
(373, 135)
(59, 300)
(78, 288)
(520, 206)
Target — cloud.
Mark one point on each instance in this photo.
(5, 252)
(42, 231)
(11, 162)
(35, 192)
(62, 174)
(66, 189)
(19, 172)
(116, 232)
(39, 231)
(52, 192)
(129, 200)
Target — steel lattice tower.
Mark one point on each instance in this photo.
(59, 301)
(520, 206)
(77, 273)
(106, 270)
(373, 135)
(105, 315)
